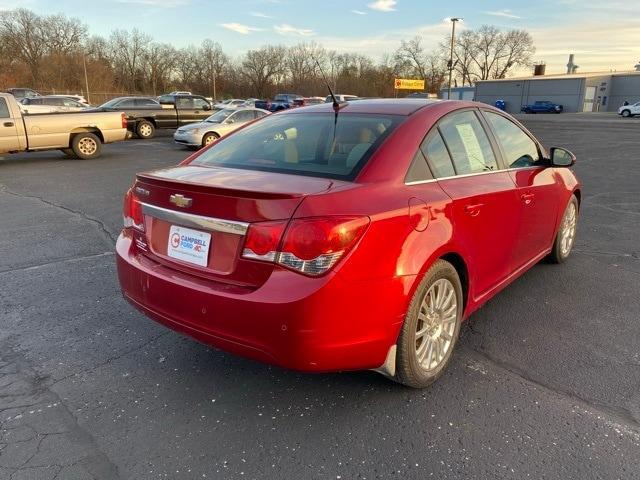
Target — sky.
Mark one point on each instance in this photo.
(603, 35)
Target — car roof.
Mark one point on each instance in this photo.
(390, 106)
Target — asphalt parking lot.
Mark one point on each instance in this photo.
(545, 383)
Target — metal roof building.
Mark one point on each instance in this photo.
(576, 92)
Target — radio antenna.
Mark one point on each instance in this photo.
(336, 104)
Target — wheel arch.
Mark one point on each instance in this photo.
(460, 265)
(96, 131)
(578, 193)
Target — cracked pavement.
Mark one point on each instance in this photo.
(545, 383)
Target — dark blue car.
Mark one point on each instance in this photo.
(542, 106)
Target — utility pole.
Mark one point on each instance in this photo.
(453, 35)
(86, 79)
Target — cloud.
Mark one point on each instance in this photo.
(239, 28)
(285, 29)
(501, 13)
(383, 5)
(260, 15)
(358, 12)
(386, 42)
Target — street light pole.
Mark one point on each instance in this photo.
(453, 34)
(86, 79)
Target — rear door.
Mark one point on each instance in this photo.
(185, 110)
(538, 191)
(8, 129)
(485, 206)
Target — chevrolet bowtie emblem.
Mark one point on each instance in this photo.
(180, 200)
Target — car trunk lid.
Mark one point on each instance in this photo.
(209, 209)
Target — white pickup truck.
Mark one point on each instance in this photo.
(78, 135)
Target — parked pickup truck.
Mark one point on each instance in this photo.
(542, 106)
(145, 115)
(281, 101)
(78, 135)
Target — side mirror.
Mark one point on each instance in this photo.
(561, 157)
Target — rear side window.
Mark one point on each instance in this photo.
(145, 102)
(467, 143)
(419, 170)
(243, 116)
(519, 150)
(437, 155)
(200, 103)
(4, 109)
(126, 104)
(184, 103)
(314, 144)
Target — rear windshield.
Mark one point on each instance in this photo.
(314, 144)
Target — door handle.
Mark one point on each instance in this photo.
(8, 124)
(527, 198)
(473, 210)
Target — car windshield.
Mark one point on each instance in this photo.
(313, 144)
(220, 115)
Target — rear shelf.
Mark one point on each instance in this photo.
(219, 202)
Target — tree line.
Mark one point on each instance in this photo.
(51, 52)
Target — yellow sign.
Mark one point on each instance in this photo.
(408, 84)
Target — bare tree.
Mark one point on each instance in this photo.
(159, 59)
(128, 50)
(489, 53)
(22, 33)
(412, 60)
(214, 62)
(263, 66)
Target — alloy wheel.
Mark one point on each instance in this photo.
(569, 224)
(436, 324)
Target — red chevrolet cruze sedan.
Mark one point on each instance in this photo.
(359, 237)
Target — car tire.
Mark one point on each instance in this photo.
(145, 130)
(626, 113)
(208, 138)
(566, 236)
(86, 146)
(68, 152)
(429, 334)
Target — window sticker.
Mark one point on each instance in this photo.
(471, 146)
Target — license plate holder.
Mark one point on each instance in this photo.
(188, 245)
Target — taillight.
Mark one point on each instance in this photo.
(262, 241)
(132, 211)
(123, 118)
(311, 245)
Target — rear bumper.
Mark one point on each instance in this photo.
(296, 322)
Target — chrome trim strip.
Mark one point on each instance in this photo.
(196, 221)
(471, 174)
(420, 182)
